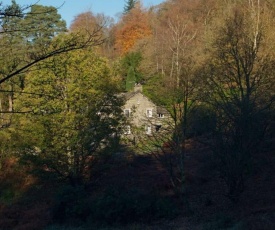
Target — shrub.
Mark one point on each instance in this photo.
(70, 205)
(219, 222)
(113, 207)
(202, 120)
(124, 207)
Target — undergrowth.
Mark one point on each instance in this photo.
(112, 208)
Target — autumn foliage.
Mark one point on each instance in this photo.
(86, 21)
(133, 27)
(67, 158)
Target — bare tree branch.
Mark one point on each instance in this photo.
(71, 44)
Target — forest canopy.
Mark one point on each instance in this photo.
(209, 65)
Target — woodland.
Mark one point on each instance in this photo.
(64, 161)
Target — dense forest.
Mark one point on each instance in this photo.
(64, 161)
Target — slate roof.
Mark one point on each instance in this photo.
(161, 110)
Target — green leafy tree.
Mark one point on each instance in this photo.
(41, 25)
(10, 11)
(75, 114)
(130, 69)
(130, 79)
(13, 49)
(20, 51)
(30, 35)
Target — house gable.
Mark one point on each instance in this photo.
(142, 113)
(141, 108)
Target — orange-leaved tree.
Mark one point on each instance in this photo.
(132, 27)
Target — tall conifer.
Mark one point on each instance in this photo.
(129, 4)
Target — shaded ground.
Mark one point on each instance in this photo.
(208, 208)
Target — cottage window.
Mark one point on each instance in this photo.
(127, 112)
(158, 127)
(149, 113)
(127, 130)
(148, 129)
(160, 115)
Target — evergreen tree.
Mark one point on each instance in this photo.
(129, 4)
(131, 79)
(38, 29)
(130, 65)
(42, 24)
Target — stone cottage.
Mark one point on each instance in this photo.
(142, 113)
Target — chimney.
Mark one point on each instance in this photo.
(138, 87)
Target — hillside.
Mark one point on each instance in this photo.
(136, 175)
